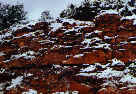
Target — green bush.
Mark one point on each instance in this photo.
(88, 10)
(11, 14)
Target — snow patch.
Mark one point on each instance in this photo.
(110, 11)
(129, 17)
(7, 34)
(97, 31)
(109, 72)
(133, 17)
(26, 55)
(88, 69)
(20, 26)
(78, 55)
(102, 45)
(2, 54)
(116, 62)
(55, 26)
(15, 82)
(67, 92)
(133, 42)
(89, 41)
(2, 70)
(107, 37)
(128, 78)
(31, 91)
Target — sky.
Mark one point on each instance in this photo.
(35, 7)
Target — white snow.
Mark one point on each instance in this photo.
(2, 53)
(102, 45)
(28, 74)
(110, 11)
(56, 66)
(132, 37)
(89, 41)
(26, 55)
(79, 23)
(132, 42)
(70, 21)
(132, 65)
(2, 70)
(134, 22)
(31, 91)
(27, 25)
(124, 42)
(107, 37)
(2, 85)
(129, 17)
(78, 55)
(98, 31)
(15, 82)
(109, 72)
(55, 26)
(116, 62)
(67, 92)
(133, 17)
(88, 34)
(86, 74)
(128, 78)
(88, 69)
(18, 26)
(7, 34)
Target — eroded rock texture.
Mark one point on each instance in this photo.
(67, 56)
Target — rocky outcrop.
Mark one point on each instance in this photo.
(70, 56)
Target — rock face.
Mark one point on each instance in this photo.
(70, 57)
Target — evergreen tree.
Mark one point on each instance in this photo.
(88, 9)
(45, 15)
(11, 14)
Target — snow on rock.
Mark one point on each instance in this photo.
(102, 45)
(109, 72)
(133, 42)
(7, 34)
(2, 70)
(88, 69)
(71, 21)
(116, 62)
(107, 37)
(89, 41)
(31, 91)
(18, 26)
(128, 78)
(2, 85)
(2, 53)
(15, 82)
(133, 65)
(56, 66)
(86, 74)
(26, 55)
(133, 17)
(67, 92)
(55, 26)
(78, 55)
(110, 11)
(28, 74)
(129, 17)
(97, 31)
